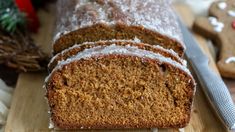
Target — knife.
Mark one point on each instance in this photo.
(212, 84)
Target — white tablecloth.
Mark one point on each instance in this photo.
(5, 101)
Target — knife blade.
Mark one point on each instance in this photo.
(212, 84)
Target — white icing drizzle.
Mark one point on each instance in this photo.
(171, 51)
(181, 129)
(46, 79)
(230, 59)
(120, 50)
(51, 124)
(59, 34)
(149, 14)
(222, 5)
(218, 26)
(155, 130)
(231, 13)
(136, 40)
(78, 45)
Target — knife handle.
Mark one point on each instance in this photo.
(217, 92)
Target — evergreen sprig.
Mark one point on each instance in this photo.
(10, 16)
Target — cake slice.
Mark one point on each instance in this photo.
(119, 86)
(80, 47)
(151, 21)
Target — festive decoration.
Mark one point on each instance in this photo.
(220, 26)
(17, 49)
(18, 14)
(10, 17)
(19, 52)
(26, 7)
(233, 24)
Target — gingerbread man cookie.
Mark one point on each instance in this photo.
(220, 28)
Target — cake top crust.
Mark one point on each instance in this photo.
(155, 15)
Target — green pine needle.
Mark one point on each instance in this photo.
(10, 17)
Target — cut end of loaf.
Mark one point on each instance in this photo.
(118, 91)
(103, 31)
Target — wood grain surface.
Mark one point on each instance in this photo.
(28, 111)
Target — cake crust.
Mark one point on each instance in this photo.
(80, 47)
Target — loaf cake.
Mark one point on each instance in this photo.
(117, 64)
(119, 86)
(151, 21)
(80, 47)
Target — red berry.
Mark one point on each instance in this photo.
(27, 7)
(233, 24)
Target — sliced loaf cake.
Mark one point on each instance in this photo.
(119, 86)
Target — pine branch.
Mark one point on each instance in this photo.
(10, 16)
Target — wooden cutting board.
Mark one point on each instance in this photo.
(29, 109)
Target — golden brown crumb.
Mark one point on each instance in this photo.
(118, 91)
(120, 31)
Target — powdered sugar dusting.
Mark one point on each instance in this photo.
(120, 50)
(154, 15)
